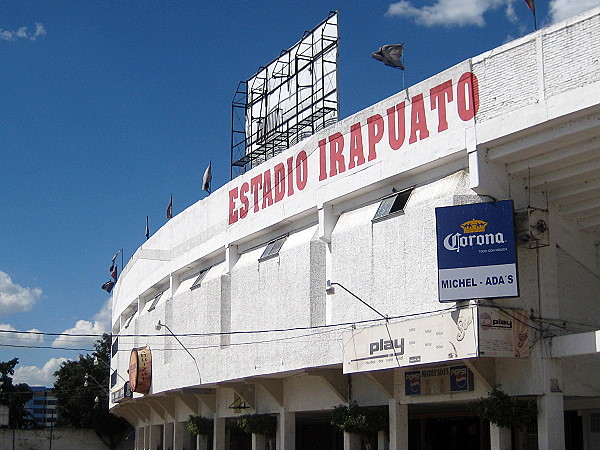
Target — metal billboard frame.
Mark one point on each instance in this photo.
(264, 125)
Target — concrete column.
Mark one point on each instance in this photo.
(155, 440)
(202, 442)
(398, 425)
(500, 438)
(139, 438)
(219, 434)
(551, 422)
(286, 431)
(383, 442)
(352, 441)
(168, 435)
(146, 438)
(180, 435)
(258, 441)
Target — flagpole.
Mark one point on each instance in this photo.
(403, 63)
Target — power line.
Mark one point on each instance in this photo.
(239, 332)
(41, 333)
(47, 347)
(227, 333)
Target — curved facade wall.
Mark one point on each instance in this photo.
(258, 333)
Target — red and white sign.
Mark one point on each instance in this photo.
(390, 133)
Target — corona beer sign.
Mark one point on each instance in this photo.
(476, 251)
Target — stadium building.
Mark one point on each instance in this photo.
(414, 255)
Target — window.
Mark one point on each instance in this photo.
(393, 204)
(113, 379)
(595, 422)
(198, 281)
(114, 348)
(272, 248)
(156, 299)
(131, 318)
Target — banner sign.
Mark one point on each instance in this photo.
(476, 251)
(503, 333)
(463, 333)
(440, 337)
(439, 380)
(140, 369)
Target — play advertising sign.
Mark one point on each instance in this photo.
(476, 251)
(432, 338)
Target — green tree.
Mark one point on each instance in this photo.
(14, 396)
(82, 389)
(363, 421)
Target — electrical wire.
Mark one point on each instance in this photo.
(265, 341)
(47, 347)
(333, 327)
(229, 333)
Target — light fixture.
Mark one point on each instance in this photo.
(86, 383)
(330, 290)
(98, 361)
(158, 327)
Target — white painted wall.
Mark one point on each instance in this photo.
(391, 264)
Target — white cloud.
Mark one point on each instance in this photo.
(8, 339)
(36, 376)
(99, 324)
(563, 9)
(22, 33)
(451, 12)
(39, 31)
(15, 298)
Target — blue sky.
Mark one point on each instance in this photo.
(109, 107)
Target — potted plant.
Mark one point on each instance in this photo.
(201, 426)
(363, 421)
(263, 424)
(505, 411)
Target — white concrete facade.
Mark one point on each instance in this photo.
(520, 122)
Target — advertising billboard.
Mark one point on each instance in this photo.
(476, 251)
(438, 380)
(434, 338)
(503, 333)
(476, 331)
(288, 99)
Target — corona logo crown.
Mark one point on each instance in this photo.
(474, 226)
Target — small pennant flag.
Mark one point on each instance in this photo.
(207, 178)
(108, 286)
(390, 55)
(170, 208)
(147, 229)
(114, 258)
(531, 5)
